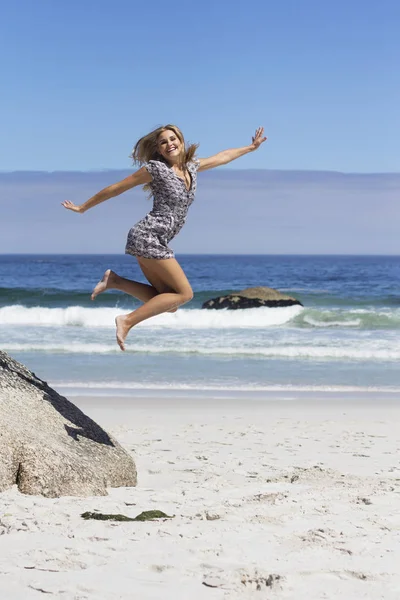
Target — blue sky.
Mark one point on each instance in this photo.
(82, 80)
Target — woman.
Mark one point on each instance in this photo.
(169, 170)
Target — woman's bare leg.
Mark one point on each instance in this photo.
(141, 291)
(155, 281)
(170, 273)
(112, 281)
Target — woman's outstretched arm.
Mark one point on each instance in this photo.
(222, 158)
(141, 177)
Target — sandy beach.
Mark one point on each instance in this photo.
(271, 498)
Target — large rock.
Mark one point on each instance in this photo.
(252, 298)
(50, 447)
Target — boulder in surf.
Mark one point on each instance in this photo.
(252, 298)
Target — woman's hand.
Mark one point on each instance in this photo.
(258, 138)
(71, 206)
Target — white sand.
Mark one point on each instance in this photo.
(307, 492)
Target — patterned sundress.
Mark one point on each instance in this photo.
(150, 237)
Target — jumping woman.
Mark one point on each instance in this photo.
(169, 171)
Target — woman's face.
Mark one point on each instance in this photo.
(169, 145)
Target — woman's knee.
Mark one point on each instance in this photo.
(186, 295)
(181, 298)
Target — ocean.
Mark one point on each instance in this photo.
(345, 338)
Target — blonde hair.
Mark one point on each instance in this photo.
(147, 148)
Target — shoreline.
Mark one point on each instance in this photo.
(274, 394)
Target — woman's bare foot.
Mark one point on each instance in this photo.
(104, 284)
(122, 330)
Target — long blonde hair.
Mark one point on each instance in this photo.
(147, 148)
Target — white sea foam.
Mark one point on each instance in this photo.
(78, 316)
(372, 318)
(325, 323)
(183, 319)
(325, 352)
(134, 385)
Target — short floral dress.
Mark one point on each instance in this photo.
(150, 237)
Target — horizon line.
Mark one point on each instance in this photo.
(365, 255)
(225, 170)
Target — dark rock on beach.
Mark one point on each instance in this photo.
(252, 298)
(147, 515)
(48, 446)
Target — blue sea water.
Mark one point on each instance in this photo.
(346, 337)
